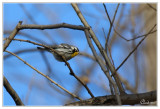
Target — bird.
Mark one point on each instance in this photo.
(66, 50)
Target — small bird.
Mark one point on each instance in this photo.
(66, 50)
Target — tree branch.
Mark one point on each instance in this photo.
(56, 26)
(135, 37)
(127, 99)
(111, 24)
(102, 67)
(101, 49)
(12, 92)
(20, 51)
(68, 65)
(135, 48)
(12, 35)
(125, 82)
(151, 7)
(45, 76)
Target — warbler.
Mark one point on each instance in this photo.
(66, 50)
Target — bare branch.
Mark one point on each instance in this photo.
(125, 82)
(68, 65)
(12, 35)
(111, 24)
(101, 49)
(37, 39)
(107, 14)
(135, 37)
(110, 54)
(127, 99)
(135, 48)
(20, 51)
(56, 26)
(44, 75)
(12, 92)
(104, 34)
(73, 74)
(102, 66)
(151, 6)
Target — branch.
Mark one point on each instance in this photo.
(101, 49)
(102, 66)
(127, 99)
(111, 24)
(68, 65)
(151, 6)
(56, 26)
(107, 13)
(44, 76)
(135, 48)
(109, 49)
(135, 37)
(12, 92)
(73, 74)
(87, 55)
(125, 82)
(21, 51)
(27, 35)
(12, 35)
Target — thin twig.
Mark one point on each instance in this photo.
(44, 75)
(111, 24)
(151, 6)
(73, 74)
(137, 73)
(107, 13)
(84, 78)
(87, 55)
(12, 92)
(22, 40)
(110, 55)
(20, 51)
(27, 35)
(104, 34)
(136, 37)
(142, 35)
(135, 48)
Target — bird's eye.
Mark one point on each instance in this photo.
(75, 50)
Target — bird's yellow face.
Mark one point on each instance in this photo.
(75, 51)
(74, 54)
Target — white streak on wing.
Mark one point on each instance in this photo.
(63, 50)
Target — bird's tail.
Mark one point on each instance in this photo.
(42, 48)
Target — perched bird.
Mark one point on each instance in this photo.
(66, 50)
